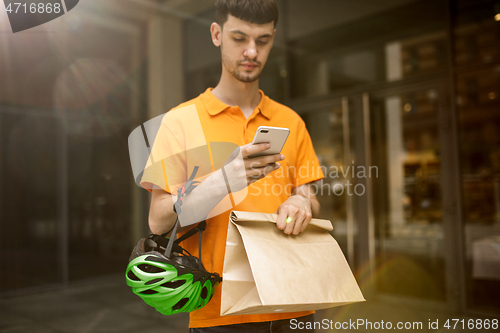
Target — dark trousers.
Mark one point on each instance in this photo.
(277, 326)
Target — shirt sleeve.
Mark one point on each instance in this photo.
(166, 165)
(308, 166)
(179, 148)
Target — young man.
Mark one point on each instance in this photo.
(232, 112)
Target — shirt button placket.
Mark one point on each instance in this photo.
(247, 123)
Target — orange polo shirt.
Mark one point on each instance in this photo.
(189, 135)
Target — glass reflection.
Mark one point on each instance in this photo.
(408, 207)
(479, 103)
(336, 190)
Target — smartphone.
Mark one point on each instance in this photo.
(276, 136)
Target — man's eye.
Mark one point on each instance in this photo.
(238, 39)
(262, 42)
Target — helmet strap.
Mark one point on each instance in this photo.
(171, 241)
(190, 185)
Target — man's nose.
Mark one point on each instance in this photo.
(251, 50)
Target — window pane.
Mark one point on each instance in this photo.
(477, 56)
(29, 208)
(408, 206)
(479, 102)
(100, 207)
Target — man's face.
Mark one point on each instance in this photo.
(245, 47)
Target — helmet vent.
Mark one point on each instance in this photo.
(150, 268)
(153, 281)
(149, 292)
(180, 304)
(204, 292)
(173, 284)
(132, 276)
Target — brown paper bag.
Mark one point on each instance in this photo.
(267, 271)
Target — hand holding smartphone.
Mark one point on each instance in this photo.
(275, 136)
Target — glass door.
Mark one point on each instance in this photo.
(477, 86)
(408, 209)
(479, 121)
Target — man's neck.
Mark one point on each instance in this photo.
(234, 92)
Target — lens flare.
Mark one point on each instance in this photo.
(92, 98)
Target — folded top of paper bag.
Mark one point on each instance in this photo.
(262, 217)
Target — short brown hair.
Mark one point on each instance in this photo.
(252, 11)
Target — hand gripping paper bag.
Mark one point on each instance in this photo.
(267, 271)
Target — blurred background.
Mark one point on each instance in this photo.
(409, 87)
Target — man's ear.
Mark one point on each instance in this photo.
(216, 32)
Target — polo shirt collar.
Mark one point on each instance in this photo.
(214, 106)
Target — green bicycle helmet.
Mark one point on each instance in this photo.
(170, 285)
(166, 276)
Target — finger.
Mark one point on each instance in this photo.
(281, 220)
(251, 148)
(260, 172)
(264, 160)
(257, 177)
(307, 219)
(292, 214)
(299, 222)
(271, 168)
